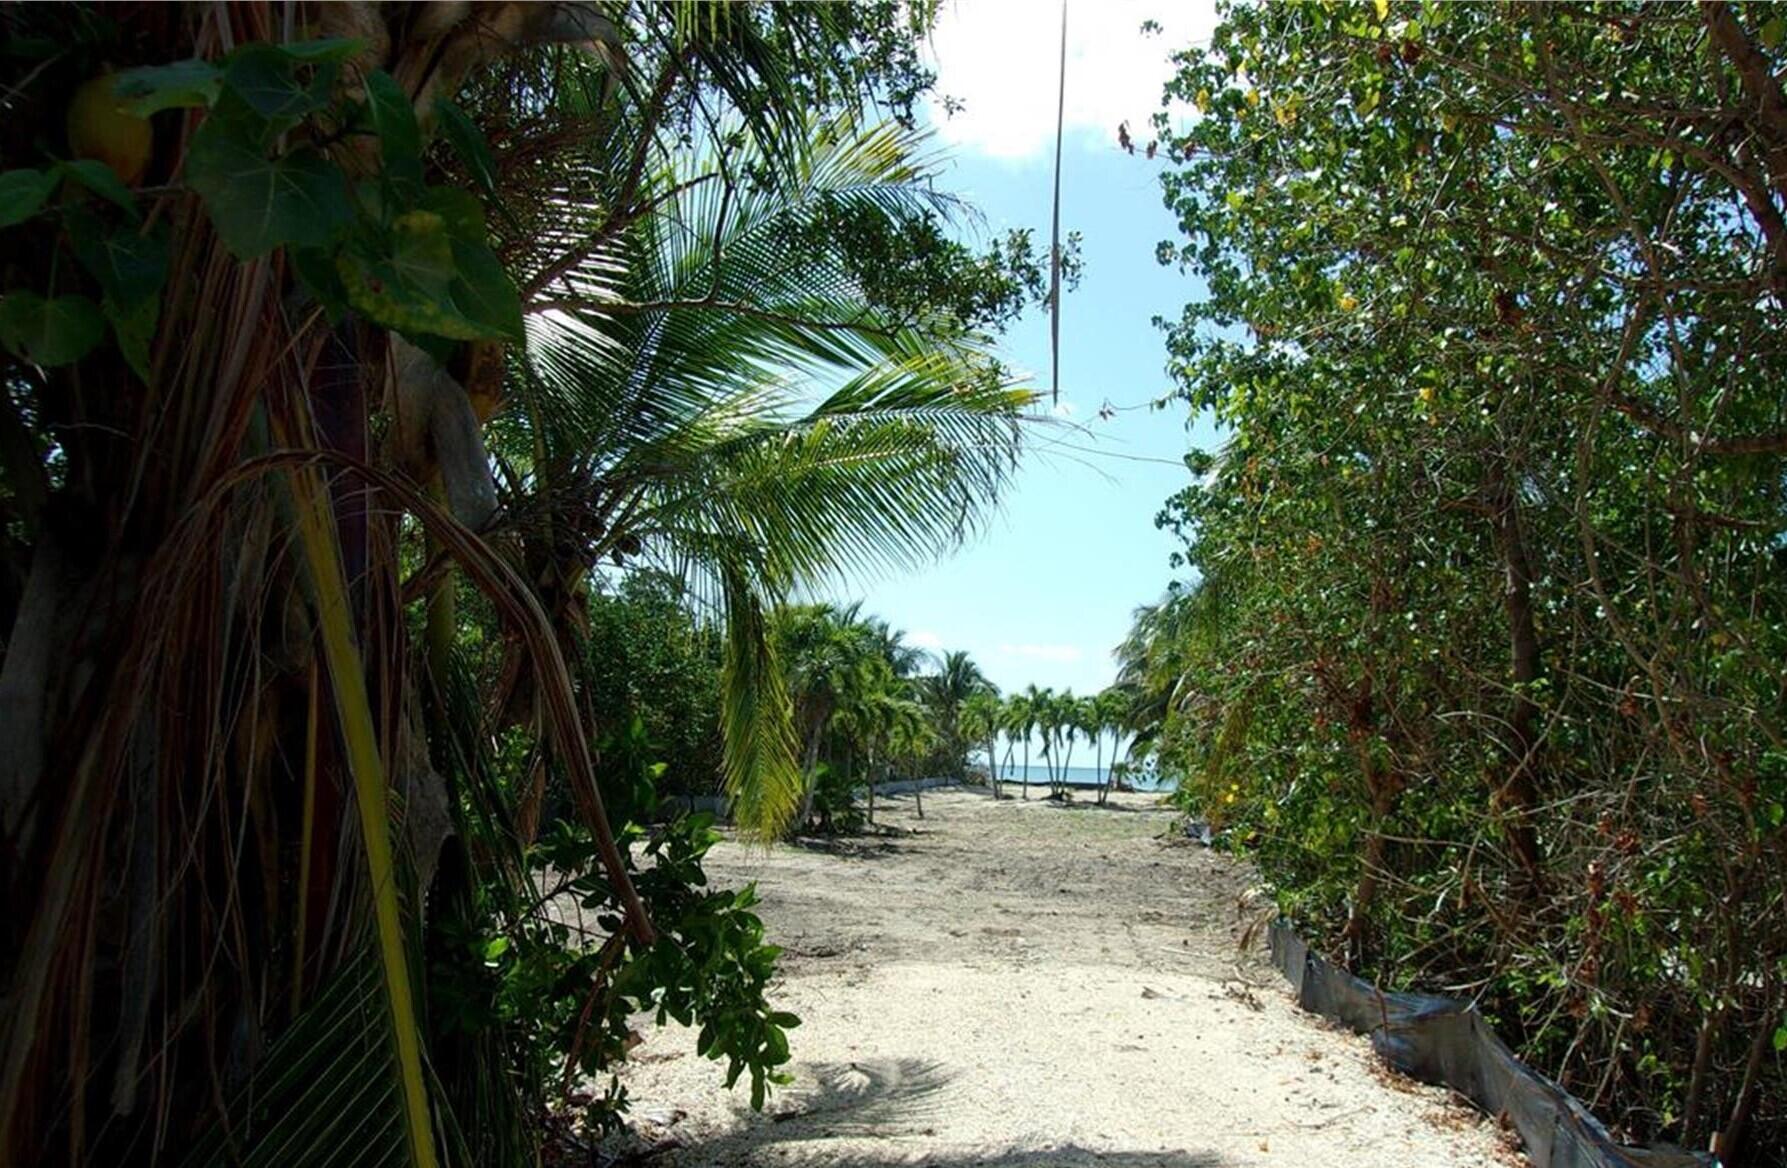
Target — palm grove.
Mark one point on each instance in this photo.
(343, 343)
(1479, 651)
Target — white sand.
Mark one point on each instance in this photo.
(1020, 984)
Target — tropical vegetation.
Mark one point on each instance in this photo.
(1477, 651)
(413, 418)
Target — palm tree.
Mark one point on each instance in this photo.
(673, 431)
(822, 650)
(910, 737)
(1021, 714)
(1055, 714)
(1070, 719)
(982, 720)
(1106, 715)
(957, 680)
(206, 525)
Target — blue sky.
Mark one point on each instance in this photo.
(1045, 593)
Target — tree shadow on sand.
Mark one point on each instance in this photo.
(877, 846)
(1114, 808)
(895, 1099)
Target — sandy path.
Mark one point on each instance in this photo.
(1020, 984)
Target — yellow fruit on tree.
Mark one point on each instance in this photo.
(100, 128)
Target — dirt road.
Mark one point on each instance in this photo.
(1026, 985)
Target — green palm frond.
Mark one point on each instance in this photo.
(762, 775)
(327, 1092)
(716, 380)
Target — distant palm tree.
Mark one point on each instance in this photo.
(983, 717)
(957, 680)
(1020, 722)
(1069, 720)
(909, 736)
(822, 649)
(1048, 726)
(1107, 713)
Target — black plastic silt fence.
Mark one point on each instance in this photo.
(1445, 1041)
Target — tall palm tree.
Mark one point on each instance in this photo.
(910, 736)
(672, 367)
(1045, 730)
(983, 719)
(1108, 710)
(1069, 720)
(821, 649)
(957, 680)
(1022, 712)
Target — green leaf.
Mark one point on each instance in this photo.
(468, 143)
(22, 194)
(315, 269)
(153, 88)
(393, 119)
(99, 178)
(129, 266)
(50, 332)
(257, 203)
(134, 328)
(263, 77)
(433, 274)
(131, 269)
(1780, 1039)
(1771, 34)
(484, 294)
(332, 50)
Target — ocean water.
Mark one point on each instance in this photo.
(1078, 776)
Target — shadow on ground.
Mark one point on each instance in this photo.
(895, 1100)
(877, 846)
(1113, 808)
(1063, 1156)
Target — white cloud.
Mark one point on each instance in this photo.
(1000, 59)
(1060, 653)
(925, 639)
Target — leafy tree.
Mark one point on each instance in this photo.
(647, 659)
(1477, 656)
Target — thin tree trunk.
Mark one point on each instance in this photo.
(809, 768)
(1729, 1144)
(1703, 1054)
(1518, 795)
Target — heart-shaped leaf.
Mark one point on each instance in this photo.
(393, 119)
(129, 266)
(257, 203)
(266, 80)
(22, 194)
(182, 84)
(50, 332)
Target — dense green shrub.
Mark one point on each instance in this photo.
(1481, 653)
